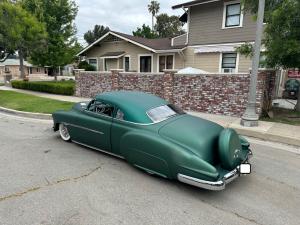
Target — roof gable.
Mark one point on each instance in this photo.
(153, 45)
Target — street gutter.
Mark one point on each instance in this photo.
(40, 116)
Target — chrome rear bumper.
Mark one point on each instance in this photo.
(211, 185)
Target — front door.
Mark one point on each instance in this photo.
(94, 127)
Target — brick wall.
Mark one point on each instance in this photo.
(224, 94)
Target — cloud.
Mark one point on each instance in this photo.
(119, 15)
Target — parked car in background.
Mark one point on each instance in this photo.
(291, 89)
(157, 137)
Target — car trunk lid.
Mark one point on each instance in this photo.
(195, 134)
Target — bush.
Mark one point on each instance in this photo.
(87, 67)
(53, 87)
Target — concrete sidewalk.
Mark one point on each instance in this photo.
(269, 131)
(46, 95)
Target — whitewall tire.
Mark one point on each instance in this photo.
(64, 133)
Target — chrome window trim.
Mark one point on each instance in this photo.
(135, 123)
(98, 149)
(163, 119)
(84, 128)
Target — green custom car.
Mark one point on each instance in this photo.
(157, 137)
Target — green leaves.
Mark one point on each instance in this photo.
(58, 17)
(283, 35)
(168, 26)
(19, 29)
(154, 7)
(145, 32)
(93, 35)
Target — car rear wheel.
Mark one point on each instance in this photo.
(64, 133)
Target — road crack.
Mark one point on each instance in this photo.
(49, 184)
(234, 213)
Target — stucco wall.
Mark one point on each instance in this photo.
(132, 50)
(211, 93)
(210, 62)
(206, 26)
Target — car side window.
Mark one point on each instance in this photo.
(101, 108)
(120, 115)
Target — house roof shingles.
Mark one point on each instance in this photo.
(156, 44)
(14, 62)
(159, 44)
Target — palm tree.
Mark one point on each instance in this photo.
(153, 8)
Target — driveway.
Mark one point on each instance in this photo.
(47, 181)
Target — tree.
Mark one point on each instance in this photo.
(58, 17)
(168, 26)
(86, 66)
(153, 8)
(92, 35)
(145, 32)
(282, 33)
(19, 31)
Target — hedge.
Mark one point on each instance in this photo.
(53, 87)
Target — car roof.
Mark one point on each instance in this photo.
(134, 104)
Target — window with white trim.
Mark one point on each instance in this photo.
(229, 61)
(233, 15)
(93, 62)
(165, 62)
(126, 63)
(145, 64)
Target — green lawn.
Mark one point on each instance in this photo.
(31, 103)
(1, 84)
(284, 116)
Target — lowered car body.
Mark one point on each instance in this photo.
(157, 137)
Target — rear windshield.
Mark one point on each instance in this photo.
(164, 112)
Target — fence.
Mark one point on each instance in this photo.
(224, 94)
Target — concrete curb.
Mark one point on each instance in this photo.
(269, 137)
(40, 116)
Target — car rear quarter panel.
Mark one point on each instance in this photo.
(153, 153)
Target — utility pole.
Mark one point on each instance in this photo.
(250, 117)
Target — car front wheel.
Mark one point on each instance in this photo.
(64, 133)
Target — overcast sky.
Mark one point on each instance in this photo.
(119, 15)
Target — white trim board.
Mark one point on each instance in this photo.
(152, 62)
(128, 40)
(224, 14)
(127, 56)
(165, 54)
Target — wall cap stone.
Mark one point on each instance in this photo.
(170, 71)
(117, 70)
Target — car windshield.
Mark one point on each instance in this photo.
(164, 112)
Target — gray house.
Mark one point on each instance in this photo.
(215, 29)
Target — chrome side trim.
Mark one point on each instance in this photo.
(97, 149)
(84, 128)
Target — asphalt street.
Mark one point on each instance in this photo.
(45, 181)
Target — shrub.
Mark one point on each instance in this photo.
(87, 67)
(53, 87)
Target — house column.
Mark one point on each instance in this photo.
(168, 84)
(115, 79)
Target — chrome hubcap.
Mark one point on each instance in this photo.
(64, 132)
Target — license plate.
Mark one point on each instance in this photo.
(293, 93)
(245, 168)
